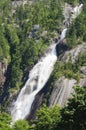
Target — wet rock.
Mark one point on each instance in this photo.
(36, 104)
(61, 48)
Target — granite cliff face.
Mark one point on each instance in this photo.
(37, 90)
(74, 53)
(63, 87)
(61, 91)
(2, 77)
(3, 69)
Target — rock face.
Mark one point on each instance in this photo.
(63, 87)
(61, 91)
(3, 68)
(37, 103)
(83, 70)
(73, 54)
(18, 3)
(83, 82)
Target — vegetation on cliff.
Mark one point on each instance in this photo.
(25, 33)
(70, 117)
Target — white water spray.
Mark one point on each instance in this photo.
(76, 11)
(37, 78)
(63, 34)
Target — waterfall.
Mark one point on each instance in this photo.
(76, 11)
(63, 34)
(37, 78)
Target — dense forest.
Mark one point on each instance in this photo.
(26, 31)
(71, 117)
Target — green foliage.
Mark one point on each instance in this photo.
(4, 46)
(22, 45)
(70, 117)
(77, 31)
(81, 61)
(21, 125)
(5, 120)
(71, 37)
(20, 42)
(67, 69)
(73, 2)
(47, 118)
(15, 52)
(74, 114)
(5, 123)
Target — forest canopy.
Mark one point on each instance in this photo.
(26, 31)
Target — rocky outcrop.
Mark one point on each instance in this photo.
(3, 71)
(83, 79)
(83, 70)
(63, 87)
(2, 77)
(74, 53)
(61, 91)
(15, 4)
(83, 82)
(37, 103)
(3, 68)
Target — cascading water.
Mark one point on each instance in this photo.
(37, 78)
(63, 34)
(76, 11)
